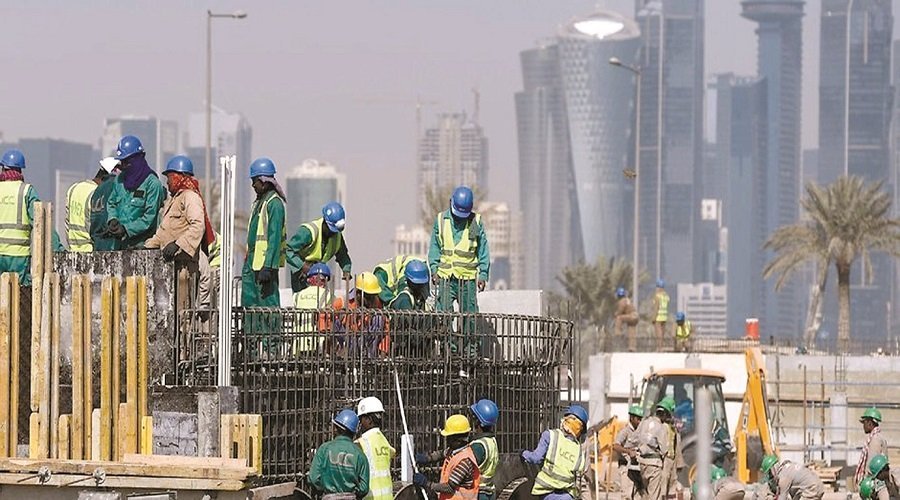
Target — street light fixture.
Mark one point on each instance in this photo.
(238, 14)
(615, 61)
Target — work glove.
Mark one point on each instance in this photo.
(419, 479)
(434, 279)
(296, 280)
(481, 284)
(169, 251)
(266, 275)
(115, 229)
(421, 458)
(346, 276)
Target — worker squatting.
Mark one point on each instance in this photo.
(126, 207)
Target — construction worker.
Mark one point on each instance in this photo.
(340, 470)
(661, 310)
(881, 470)
(871, 488)
(564, 462)
(390, 273)
(788, 480)
(79, 209)
(215, 268)
(134, 205)
(411, 290)
(629, 472)
(378, 450)
(875, 443)
(683, 331)
(626, 315)
(319, 241)
(266, 237)
(484, 446)
(459, 260)
(100, 239)
(185, 232)
(722, 486)
(314, 297)
(652, 440)
(672, 460)
(371, 324)
(460, 476)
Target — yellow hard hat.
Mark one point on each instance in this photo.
(456, 424)
(368, 283)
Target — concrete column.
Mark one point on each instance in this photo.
(839, 424)
(598, 370)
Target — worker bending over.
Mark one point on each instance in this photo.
(881, 470)
(340, 470)
(460, 476)
(266, 238)
(788, 480)
(626, 315)
(484, 446)
(875, 443)
(79, 206)
(134, 205)
(378, 450)
(390, 275)
(411, 290)
(564, 462)
(649, 445)
(317, 296)
(722, 486)
(319, 240)
(629, 472)
(661, 312)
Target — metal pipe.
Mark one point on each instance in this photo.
(704, 444)
(822, 400)
(805, 421)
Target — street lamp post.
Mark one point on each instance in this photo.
(635, 268)
(238, 14)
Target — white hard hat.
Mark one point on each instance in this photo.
(369, 405)
(109, 163)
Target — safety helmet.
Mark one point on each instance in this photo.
(486, 411)
(768, 462)
(679, 316)
(369, 405)
(333, 213)
(319, 268)
(456, 425)
(13, 158)
(620, 292)
(461, 202)
(660, 283)
(368, 283)
(579, 412)
(416, 272)
(636, 410)
(346, 419)
(872, 413)
(181, 164)
(128, 147)
(262, 166)
(109, 164)
(878, 463)
(867, 487)
(716, 473)
(667, 403)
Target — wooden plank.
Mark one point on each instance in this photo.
(64, 433)
(34, 425)
(106, 342)
(122, 432)
(37, 275)
(95, 433)
(14, 367)
(146, 446)
(143, 348)
(54, 363)
(127, 482)
(116, 387)
(44, 369)
(226, 437)
(254, 435)
(131, 362)
(78, 423)
(127, 469)
(240, 436)
(180, 461)
(280, 490)
(5, 308)
(87, 378)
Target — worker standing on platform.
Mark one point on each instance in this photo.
(875, 443)
(266, 237)
(134, 205)
(412, 289)
(340, 470)
(881, 470)
(684, 329)
(100, 239)
(629, 473)
(652, 440)
(626, 315)
(484, 446)
(460, 476)
(788, 480)
(79, 211)
(390, 275)
(378, 450)
(661, 312)
(319, 241)
(564, 462)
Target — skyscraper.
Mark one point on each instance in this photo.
(159, 137)
(779, 62)
(452, 153)
(309, 186)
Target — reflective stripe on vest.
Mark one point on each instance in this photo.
(262, 244)
(379, 452)
(459, 260)
(215, 252)
(489, 467)
(15, 225)
(662, 314)
(403, 292)
(310, 299)
(314, 251)
(563, 461)
(683, 332)
(461, 493)
(394, 269)
(78, 216)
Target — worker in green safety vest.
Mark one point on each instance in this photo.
(484, 446)
(79, 208)
(100, 239)
(319, 241)
(266, 236)
(390, 275)
(133, 209)
(563, 463)
(412, 287)
(660, 312)
(378, 450)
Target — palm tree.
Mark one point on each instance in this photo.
(848, 220)
(590, 289)
(438, 199)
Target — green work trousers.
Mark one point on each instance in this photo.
(260, 327)
(467, 341)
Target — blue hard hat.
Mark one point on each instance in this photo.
(416, 272)
(346, 419)
(461, 202)
(128, 147)
(13, 158)
(620, 292)
(660, 283)
(319, 268)
(579, 412)
(262, 166)
(333, 213)
(679, 316)
(181, 164)
(486, 411)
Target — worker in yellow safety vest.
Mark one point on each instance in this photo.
(78, 211)
(266, 238)
(378, 450)
(484, 446)
(460, 476)
(564, 462)
(319, 241)
(683, 331)
(215, 268)
(661, 308)
(390, 275)
(312, 299)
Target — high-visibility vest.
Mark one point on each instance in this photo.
(311, 299)
(315, 251)
(683, 332)
(379, 453)
(463, 492)
(262, 244)
(394, 269)
(15, 225)
(563, 462)
(404, 292)
(215, 252)
(662, 314)
(78, 216)
(489, 467)
(459, 260)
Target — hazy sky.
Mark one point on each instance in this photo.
(320, 79)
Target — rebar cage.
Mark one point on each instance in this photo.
(297, 368)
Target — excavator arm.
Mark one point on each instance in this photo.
(753, 437)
